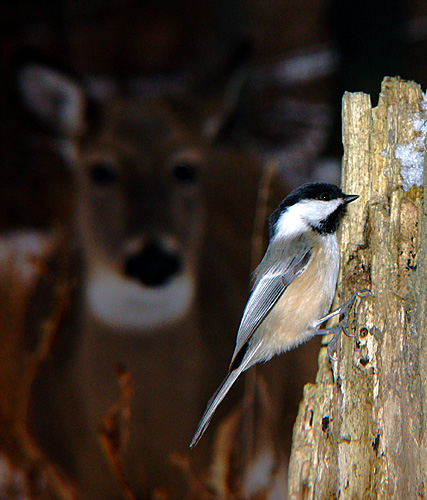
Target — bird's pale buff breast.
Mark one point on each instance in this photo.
(293, 319)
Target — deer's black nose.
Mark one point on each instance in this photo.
(153, 265)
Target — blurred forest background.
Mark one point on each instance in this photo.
(253, 90)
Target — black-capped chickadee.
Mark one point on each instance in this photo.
(294, 284)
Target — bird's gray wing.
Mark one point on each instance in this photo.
(268, 288)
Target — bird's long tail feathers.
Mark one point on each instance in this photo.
(219, 395)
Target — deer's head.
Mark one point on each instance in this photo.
(139, 211)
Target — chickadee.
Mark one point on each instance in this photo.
(294, 284)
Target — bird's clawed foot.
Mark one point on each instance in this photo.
(343, 311)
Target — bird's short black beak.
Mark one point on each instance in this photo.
(348, 198)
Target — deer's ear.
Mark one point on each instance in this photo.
(214, 94)
(54, 97)
(225, 88)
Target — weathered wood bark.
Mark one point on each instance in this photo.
(361, 428)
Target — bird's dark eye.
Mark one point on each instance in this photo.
(103, 173)
(325, 196)
(186, 173)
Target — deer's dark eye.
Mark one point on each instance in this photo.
(103, 173)
(325, 196)
(186, 173)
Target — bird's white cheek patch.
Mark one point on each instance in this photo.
(298, 217)
(320, 210)
(136, 309)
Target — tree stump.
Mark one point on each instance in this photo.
(361, 428)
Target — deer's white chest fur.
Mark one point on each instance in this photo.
(128, 306)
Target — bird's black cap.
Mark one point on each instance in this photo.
(311, 191)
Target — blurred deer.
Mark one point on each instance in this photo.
(165, 270)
